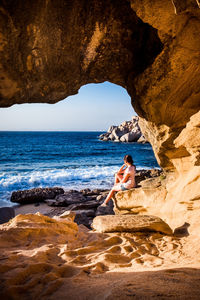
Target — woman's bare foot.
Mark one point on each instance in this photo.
(104, 204)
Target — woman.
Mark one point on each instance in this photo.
(124, 178)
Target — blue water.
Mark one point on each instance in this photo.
(72, 160)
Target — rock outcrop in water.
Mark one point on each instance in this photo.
(128, 131)
(35, 195)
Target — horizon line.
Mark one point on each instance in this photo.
(52, 130)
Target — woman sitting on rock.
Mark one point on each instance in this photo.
(124, 178)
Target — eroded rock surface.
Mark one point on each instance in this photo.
(130, 223)
(85, 204)
(49, 49)
(52, 258)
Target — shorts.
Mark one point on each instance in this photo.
(123, 188)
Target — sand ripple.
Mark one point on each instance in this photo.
(40, 254)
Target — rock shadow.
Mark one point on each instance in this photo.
(182, 231)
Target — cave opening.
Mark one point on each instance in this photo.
(58, 48)
(95, 107)
(48, 144)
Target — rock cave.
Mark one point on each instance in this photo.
(49, 49)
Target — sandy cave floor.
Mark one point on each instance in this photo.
(50, 258)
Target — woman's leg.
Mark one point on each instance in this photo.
(118, 177)
(116, 188)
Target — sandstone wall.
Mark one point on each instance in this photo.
(49, 49)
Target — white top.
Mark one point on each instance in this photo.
(131, 179)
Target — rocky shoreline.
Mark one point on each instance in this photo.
(49, 249)
(127, 132)
(85, 204)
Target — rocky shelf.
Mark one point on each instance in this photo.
(85, 204)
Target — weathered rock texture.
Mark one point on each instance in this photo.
(130, 223)
(35, 195)
(85, 204)
(175, 201)
(45, 258)
(49, 49)
(146, 199)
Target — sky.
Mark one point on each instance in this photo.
(94, 108)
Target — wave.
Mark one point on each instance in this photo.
(72, 178)
(90, 177)
(55, 176)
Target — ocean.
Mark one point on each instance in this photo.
(72, 160)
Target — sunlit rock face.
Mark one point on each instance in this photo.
(49, 49)
(167, 93)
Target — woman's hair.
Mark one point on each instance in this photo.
(128, 159)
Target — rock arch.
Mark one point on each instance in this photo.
(49, 49)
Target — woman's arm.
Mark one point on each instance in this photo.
(125, 178)
(121, 170)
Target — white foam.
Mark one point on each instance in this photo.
(72, 178)
(53, 177)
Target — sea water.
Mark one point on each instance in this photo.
(72, 160)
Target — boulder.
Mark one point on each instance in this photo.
(67, 214)
(6, 213)
(135, 119)
(69, 198)
(81, 218)
(105, 210)
(87, 212)
(101, 198)
(111, 128)
(86, 191)
(105, 138)
(128, 131)
(50, 202)
(98, 191)
(35, 195)
(142, 175)
(130, 223)
(148, 200)
(118, 133)
(85, 205)
(125, 138)
(151, 183)
(130, 137)
(74, 199)
(111, 137)
(142, 140)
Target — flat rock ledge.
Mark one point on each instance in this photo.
(130, 223)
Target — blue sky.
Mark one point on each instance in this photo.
(95, 107)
